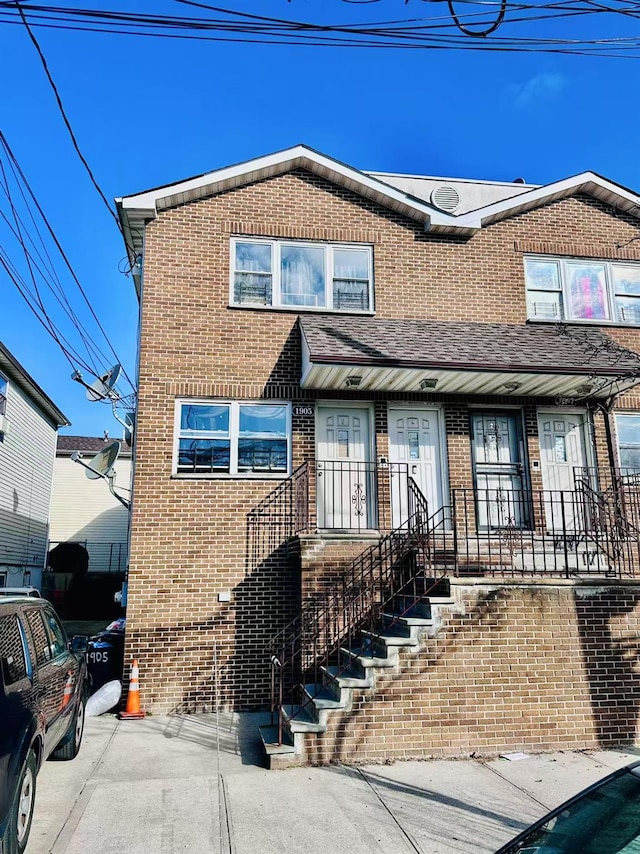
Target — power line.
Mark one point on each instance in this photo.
(7, 148)
(65, 118)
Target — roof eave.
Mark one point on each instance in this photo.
(17, 374)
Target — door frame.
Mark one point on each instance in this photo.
(443, 455)
(518, 411)
(369, 406)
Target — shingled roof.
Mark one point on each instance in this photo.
(475, 346)
(87, 445)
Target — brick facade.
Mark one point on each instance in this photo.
(190, 537)
(528, 667)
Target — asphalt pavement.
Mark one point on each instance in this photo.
(196, 784)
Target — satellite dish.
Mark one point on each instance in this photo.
(103, 386)
(102, 463)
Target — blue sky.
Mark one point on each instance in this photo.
(151, 111)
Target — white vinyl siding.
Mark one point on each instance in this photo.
(27, 452)
(84, 511)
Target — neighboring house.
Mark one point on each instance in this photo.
(355, 384)
(29, 421)
(84, 510)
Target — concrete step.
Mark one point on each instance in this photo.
(365, 657)
(300, 719)
(391, 637)
(346, 678)
(409, 620)
(322, 698)
(277, 755)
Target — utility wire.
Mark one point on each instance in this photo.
(64, 114)
(7, 148)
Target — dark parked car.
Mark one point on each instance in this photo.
(603, 819)
(43, 690)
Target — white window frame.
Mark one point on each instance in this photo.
(562, 262)
(619, 445)
(234, 428)
(276, 246)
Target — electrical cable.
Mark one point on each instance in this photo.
(4, 143)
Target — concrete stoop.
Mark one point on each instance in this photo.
(357, 671)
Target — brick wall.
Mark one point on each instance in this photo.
(190, 537)
(519, 668)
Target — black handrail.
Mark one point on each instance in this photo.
(329, 629)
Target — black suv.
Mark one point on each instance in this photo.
(43, 690)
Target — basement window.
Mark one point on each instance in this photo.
(582, 290)
(305, 276)
(233, 438)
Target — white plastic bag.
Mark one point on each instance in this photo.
(104, 699)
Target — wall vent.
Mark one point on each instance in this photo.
(445, 198)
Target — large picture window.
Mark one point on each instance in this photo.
(285, 274)
(582, 290)
(233, 438)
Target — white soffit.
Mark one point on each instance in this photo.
(451, 381)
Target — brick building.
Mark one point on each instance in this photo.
(376, 408)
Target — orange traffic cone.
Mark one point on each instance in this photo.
(68, 691)
(132, 711)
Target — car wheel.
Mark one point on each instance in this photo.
(22, 808)
(71, 741)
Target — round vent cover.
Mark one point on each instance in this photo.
(445, 198)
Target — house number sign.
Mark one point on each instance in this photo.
(303, 409)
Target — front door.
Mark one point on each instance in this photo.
(346, 482)
(498, 459)
(563, 455)
(414, 451)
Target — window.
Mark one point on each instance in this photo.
(233, 438)
(301, 275)
(40, 638)
(628, 429)
(12, 657)
(563, 289)
(58, 644)
(3, 395)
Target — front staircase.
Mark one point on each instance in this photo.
(385, 604)
(406, 623)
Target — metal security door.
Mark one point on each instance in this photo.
(562, 453)
(498, 458)
(345, 483)
(414, 451)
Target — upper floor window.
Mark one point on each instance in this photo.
(3, 395)
(283, 274)
(233, 438)
(574, 289)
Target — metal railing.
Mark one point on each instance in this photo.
(279, 517)
(541, 532)
(337, 625)
(103, 556)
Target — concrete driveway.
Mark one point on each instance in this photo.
(183, 784)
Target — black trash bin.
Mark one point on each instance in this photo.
(105, 655)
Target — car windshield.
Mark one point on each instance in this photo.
(603, 821)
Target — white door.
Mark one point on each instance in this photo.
(346, 482)
(562, 453)
(414, 451)
(498, 459)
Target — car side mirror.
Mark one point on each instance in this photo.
(79, 643)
